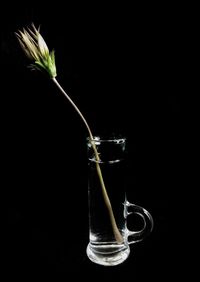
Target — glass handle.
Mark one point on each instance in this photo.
(138, 235)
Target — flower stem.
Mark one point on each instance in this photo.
(116, 232)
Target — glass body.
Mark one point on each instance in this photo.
(103, 247)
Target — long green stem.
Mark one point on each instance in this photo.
(116, 232)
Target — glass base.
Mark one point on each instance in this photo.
(107, 255)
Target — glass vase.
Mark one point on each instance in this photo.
(109, 208)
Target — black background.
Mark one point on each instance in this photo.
(122, 66)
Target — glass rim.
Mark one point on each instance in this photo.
(102, 139)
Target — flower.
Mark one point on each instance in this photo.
(36, 50)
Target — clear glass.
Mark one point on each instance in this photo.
(103, 247)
